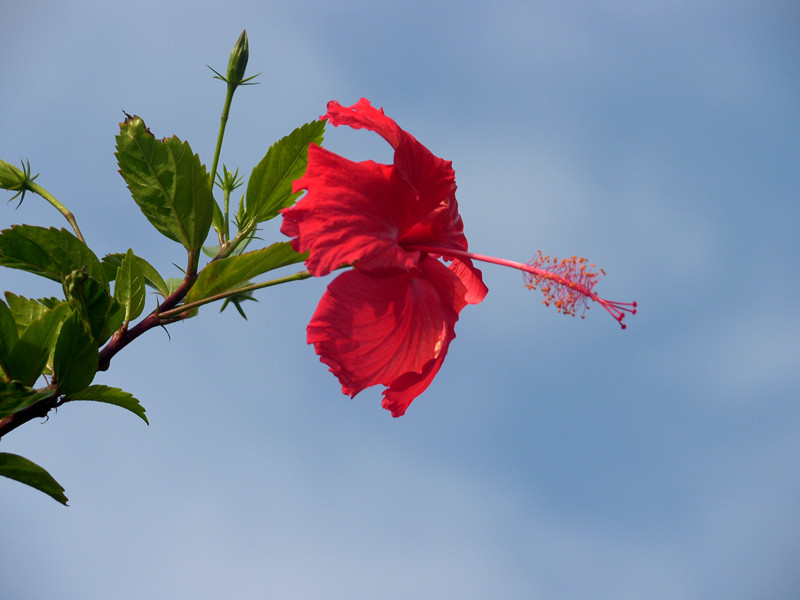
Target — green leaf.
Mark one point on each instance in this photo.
(211, 251)
(14, 397)
(168, 182)
(101, 312)
(173, 283)
(112, 262)
(27, 472)
(270, 186)
(129, 286)
(35, 345)
(110, 395)
(50, 253)
(230, 273)
(27, 310)
(8, 339)
(76, 355)
(218, 219)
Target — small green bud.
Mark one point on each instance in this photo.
(229, 181)
(238, 61)
(15, 179)
(11, 177)
(74, 282)
(237, 65)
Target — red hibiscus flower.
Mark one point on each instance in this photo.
(391, 318)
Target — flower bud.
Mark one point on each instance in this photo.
(11, 177)
(238, 61)
(15, 179)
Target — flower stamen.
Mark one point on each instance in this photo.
(567, 283)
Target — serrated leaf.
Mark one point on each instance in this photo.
(112, 262)
(26, 310)
(100, 310)
(35, 344)
(14, 396)
(229, 273)
(8, 339)
(129, 286)
(270, 186)
(76, 355)
(25, 471)
(168, 182)
(110, 395)
(50, 253)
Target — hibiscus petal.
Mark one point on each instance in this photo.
(392, 330)
(352, 211)
(408, 386)
(472, 278)
(433, 215)
(363, 115)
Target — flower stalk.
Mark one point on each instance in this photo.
(37, 189)
(20, 180)
(234, 77)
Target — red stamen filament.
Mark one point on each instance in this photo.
(568, 284)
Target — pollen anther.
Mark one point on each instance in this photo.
(568, 284)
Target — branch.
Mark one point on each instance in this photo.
(125, 336)
(34, 411)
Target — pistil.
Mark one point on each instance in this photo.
(567, 283)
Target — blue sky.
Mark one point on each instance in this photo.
(552, 457)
